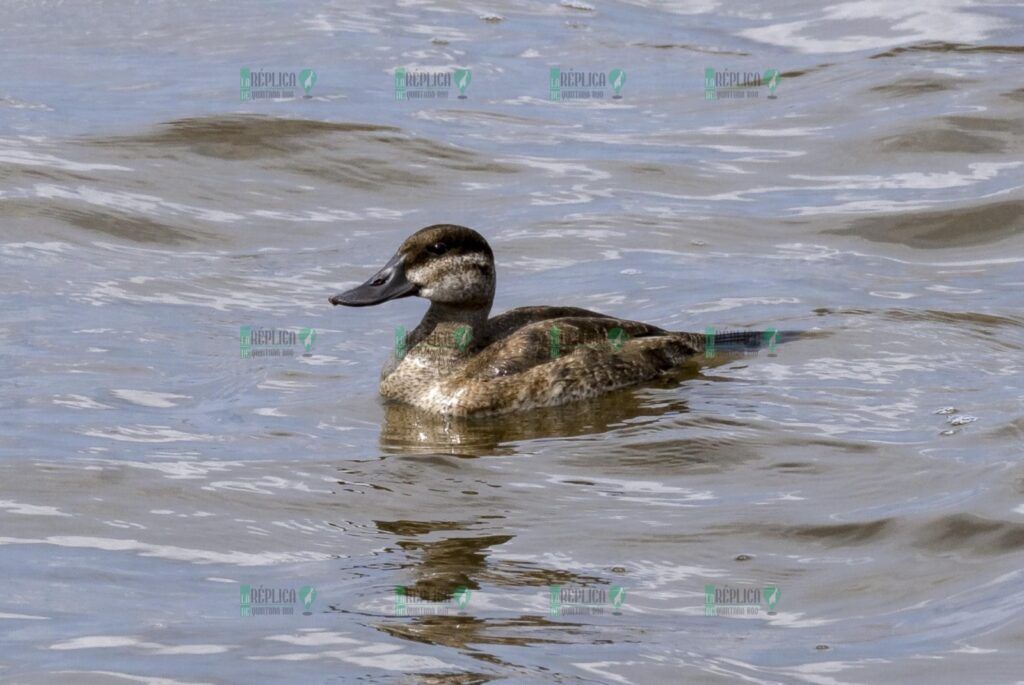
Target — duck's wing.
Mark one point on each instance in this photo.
(552, 362)
(509, 322)
(589, 339)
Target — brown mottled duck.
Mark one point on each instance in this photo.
(460, 361)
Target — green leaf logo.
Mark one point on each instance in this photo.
(771, 596)
(308, 595)
(463, 334)
(462, 597)
(555, 341)
(554, 599)
(400, 83)
(617, 77)
(555, 84)
(462, 79)
(617, 337)
(617, 595)
(245, 341)
(399, 342)
(400, 607)
(307, 77)
(771, 78)
(246, 91)
(307, 336)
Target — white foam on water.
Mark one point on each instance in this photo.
(557, 168)
(283, 385)
(917, 180)
(600, 669)
(267, 485)
(328, 215)
(866, 207)
(144, 679)
(151, 434)
(15, 103)
(178, 469)
(118, 641)
(173, 552)
(353, 20)
(316, 639)
(968, 649)
(146, 398)
(682, 6)
(793, 131)
(388, 662)
(897, 23)
(268, 411)
(29, 249)
(24, 157)
(727, 303)
(132, 202)
(12, 507)
(96, 642)
(442, 32)
(79, 402)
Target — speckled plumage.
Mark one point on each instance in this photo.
(513, 361)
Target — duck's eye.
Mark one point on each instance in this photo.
(437, 248)
(379, 281)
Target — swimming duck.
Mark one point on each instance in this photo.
(460, 361)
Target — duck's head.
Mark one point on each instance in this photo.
(446, 264)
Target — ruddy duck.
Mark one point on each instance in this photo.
(460, 362)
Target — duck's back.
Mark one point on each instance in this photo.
(545, 356)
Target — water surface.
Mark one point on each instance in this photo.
(871, 473)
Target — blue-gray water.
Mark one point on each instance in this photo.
(871, 473)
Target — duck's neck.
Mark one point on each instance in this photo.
(452, 316)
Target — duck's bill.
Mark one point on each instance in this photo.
(389, 283)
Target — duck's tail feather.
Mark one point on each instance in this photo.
(745, 341)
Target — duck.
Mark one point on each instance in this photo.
(461, 361)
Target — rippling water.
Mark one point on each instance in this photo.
(870, 474)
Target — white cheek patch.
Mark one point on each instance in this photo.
(450, 276)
